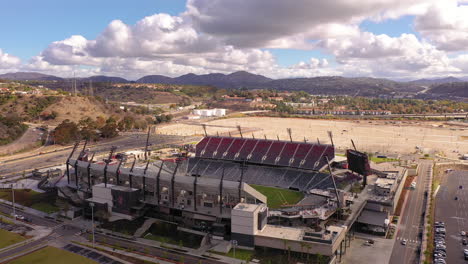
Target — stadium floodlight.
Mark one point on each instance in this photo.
(290, 133)
(330, 135)
(204, 129)
(354, 146)
(240, 130)
(147, 142)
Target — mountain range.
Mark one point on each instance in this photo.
(363, 86)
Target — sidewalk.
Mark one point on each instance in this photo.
(126, 253)
(196, 252)
(27, 209)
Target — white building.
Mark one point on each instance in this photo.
(209, 112)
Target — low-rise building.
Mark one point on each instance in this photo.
(209, 112)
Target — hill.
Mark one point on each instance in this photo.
(29, 76)
(234, 80)
(75, 107)
(458, 89)
(436, 81)
(54, 109)
(326, 85)
(11, 128)
(336, 85)
(102, 78)
(156, 79)
(317, 85)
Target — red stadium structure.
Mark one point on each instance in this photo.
(265, 152)
(284, 164)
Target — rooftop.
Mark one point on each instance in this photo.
(246, 207)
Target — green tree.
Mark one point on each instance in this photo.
(109, 130)
(66, 132)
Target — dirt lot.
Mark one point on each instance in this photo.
(381, 136)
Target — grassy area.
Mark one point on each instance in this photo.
(277, 197)
(40, 201)
(9, 238)
(381, 160)
(51, 255)
(118, 255)
(167, 233)
(242, 254)
(161, 239)
(45, 207)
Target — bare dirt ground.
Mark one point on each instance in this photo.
(373, 136)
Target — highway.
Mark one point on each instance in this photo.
(411, 221)
(123, 143)
(453, 212)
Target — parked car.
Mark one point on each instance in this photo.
(403, 242)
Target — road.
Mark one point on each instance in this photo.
(67, 231)
(411, 221)
(125, 142)
(166, 254)
(453, 212)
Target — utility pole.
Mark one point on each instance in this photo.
(90, 92)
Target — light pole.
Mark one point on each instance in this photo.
(92, 220)
(234, 245)
(13, 202)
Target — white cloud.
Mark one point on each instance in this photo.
(445, 24)
(226, 36)
(279, 23)
(8, 61)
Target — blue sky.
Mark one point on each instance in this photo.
(227, 35)
(28, 26)
(42, 22)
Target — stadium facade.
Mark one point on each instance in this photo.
(214, 187)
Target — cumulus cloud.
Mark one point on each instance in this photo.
(246, 23)
(8, 61)
(385, 56)
(445, 24)
(226, 36)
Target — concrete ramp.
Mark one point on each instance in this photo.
(146, 225)
(67, 193)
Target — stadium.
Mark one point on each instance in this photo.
(258, 192)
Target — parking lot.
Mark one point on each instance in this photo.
(451, 207)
